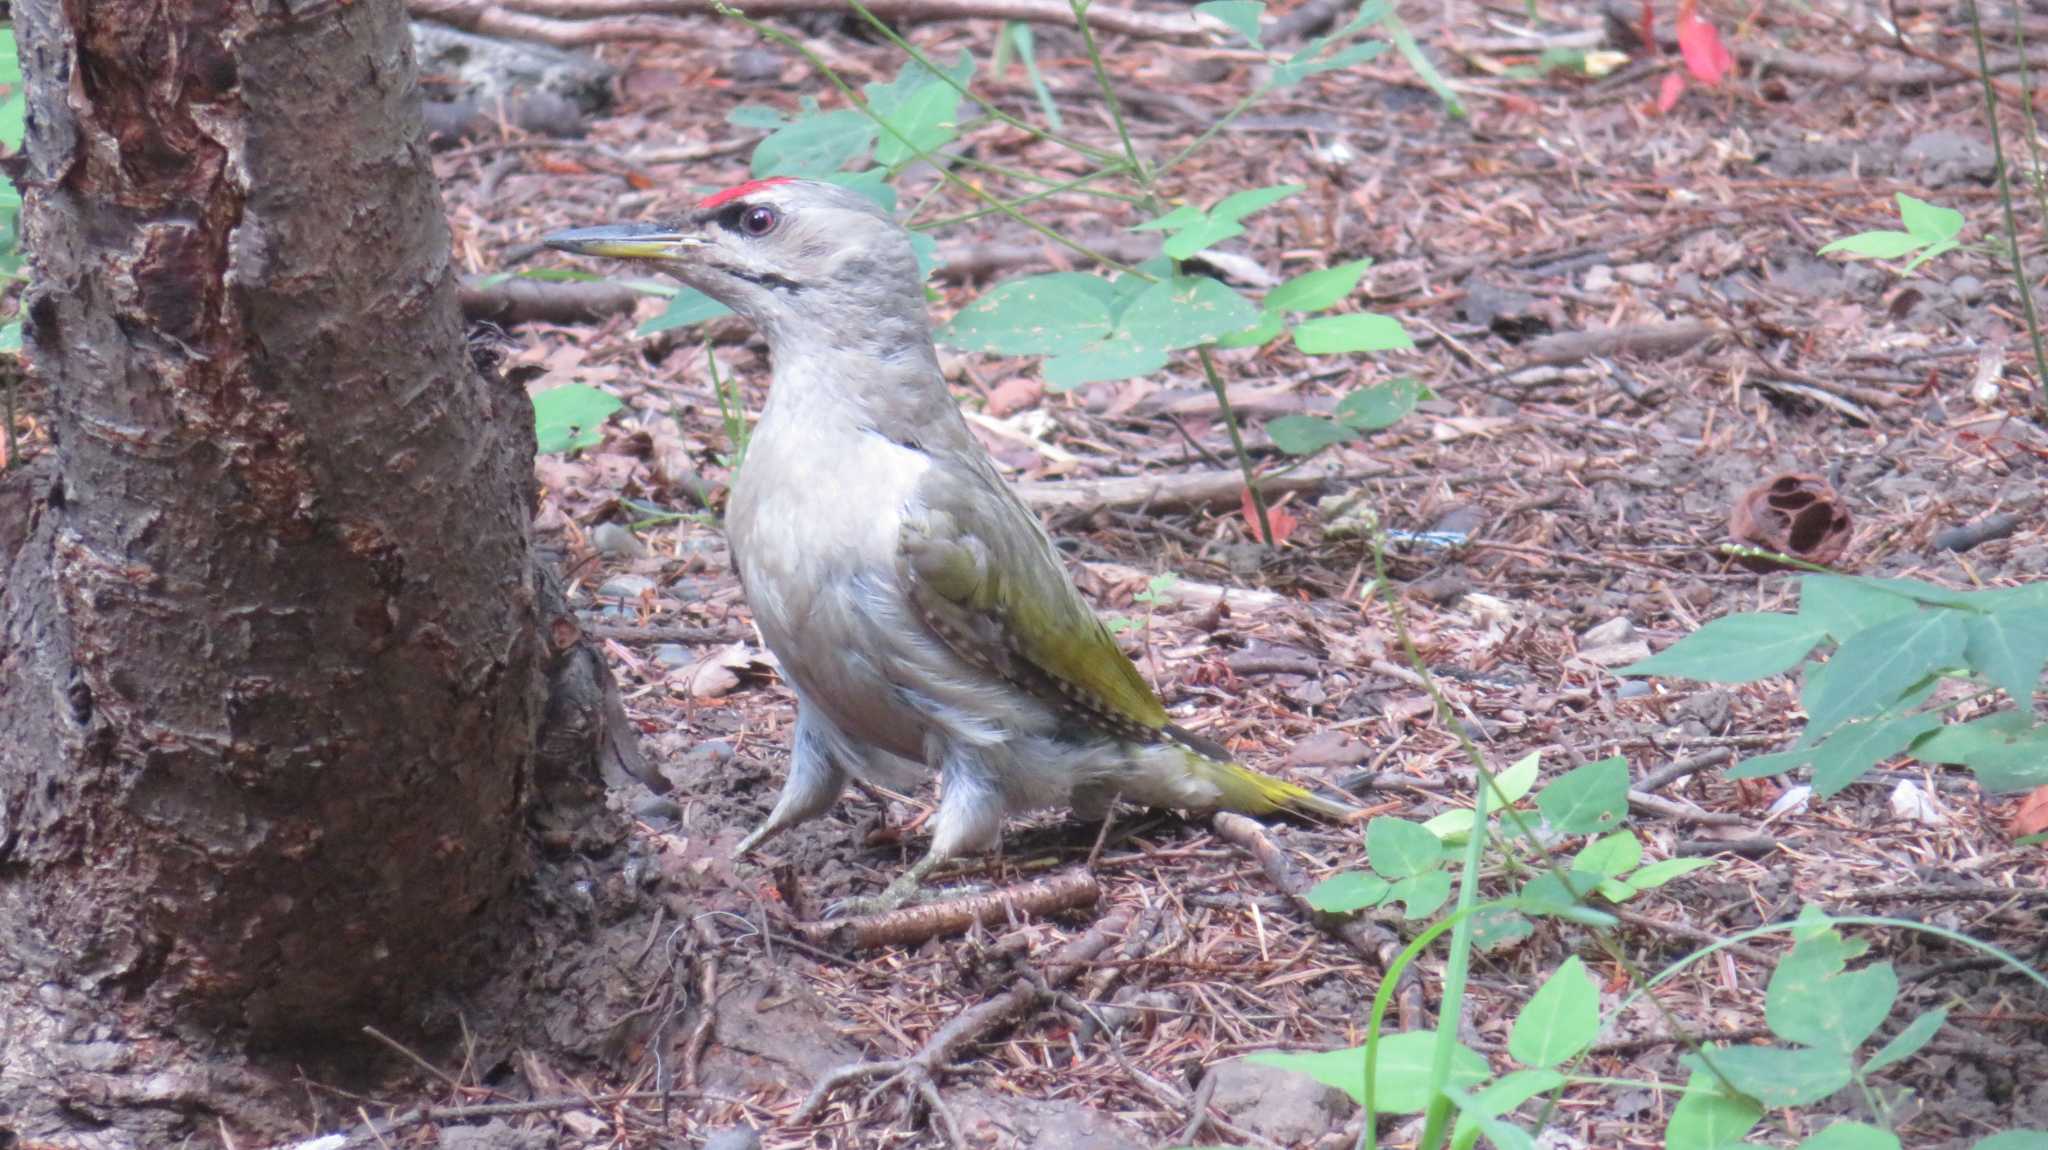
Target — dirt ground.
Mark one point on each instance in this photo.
(1593, 491)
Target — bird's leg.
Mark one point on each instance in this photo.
(969, 819)
(815, 781)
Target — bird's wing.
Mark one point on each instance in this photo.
(985, 579)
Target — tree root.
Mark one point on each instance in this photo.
(919, 1072)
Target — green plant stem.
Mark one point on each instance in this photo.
(1102, 81)
(854, 98)
(2012, 227)
(2037, 176)
(881, 26)
(1078, 183)
(1244, 458)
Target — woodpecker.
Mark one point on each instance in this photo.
(918, 609)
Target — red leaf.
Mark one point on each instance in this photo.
(1283, 522)
(1669, 92)
(2032, 817)
(1648, 27)
(1705, 56)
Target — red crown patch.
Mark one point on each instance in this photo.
(737, 190)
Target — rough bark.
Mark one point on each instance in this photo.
(271, 668)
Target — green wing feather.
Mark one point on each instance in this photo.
(986, 579)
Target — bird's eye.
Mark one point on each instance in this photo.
(759, 220)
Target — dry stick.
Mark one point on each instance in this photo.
(1180, 489)
(627, 633)
(914, 924)
(1375, 943)
(1151, 26)
(918, 1072)
(515, 301)
(1677, 769)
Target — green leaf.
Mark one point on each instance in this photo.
(1119, 357)
(1399, 849)
(1309, 61)
(1270, 325)
(1908, 1042)
(1353, 890)
(1779, 1076)
(1587, 799)
(817, 144)
(1185, 311)
(2007, 751)
(1609, 857)
(1843, 606)
(1814, 1000)
(686, 307)
(1183, 216)
(1929, 223)
(1498, 1098)
(1424, 67)
(14, 118)
(1316, 290)
(1306, 434)
(1707, 1118)
(1238, 205)
(1852, 1136)
(1205, 234)
(1342, 334)
(1889, 660)
(1037, 315)
(2009, 648)
(1562, 897)
(1735, 649)
(1561, 1019)
(1453, 825)
(758, 116)
(1856, 747)
(1401, 1085)
(1472, 1119)
(1420, 895)
(1515, 783)
(1664, 870)
(568, 417)
(2015, 1140)
(1874, 245)
(921, 107)
(1497, 925)
(1381, 405)
(1242, 16)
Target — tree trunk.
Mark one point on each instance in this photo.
(271, 668)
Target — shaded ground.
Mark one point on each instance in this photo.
(1593, 492)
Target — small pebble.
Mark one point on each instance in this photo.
(734, 1138)
(615, 541)
(1632, 689)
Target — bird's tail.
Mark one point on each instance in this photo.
(1245, 790)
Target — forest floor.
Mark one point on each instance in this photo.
(1591, 495)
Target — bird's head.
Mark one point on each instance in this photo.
(803, 260)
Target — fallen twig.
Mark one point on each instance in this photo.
(1180, 489)
(476, 15)
(508, 301)
(1067, 890)
(1373, 942)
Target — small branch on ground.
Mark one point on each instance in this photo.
(513, 301)
(496, 18)
(911, 925)
(1371, 941)
(1180, 489)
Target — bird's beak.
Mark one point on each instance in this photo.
(626, 241)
